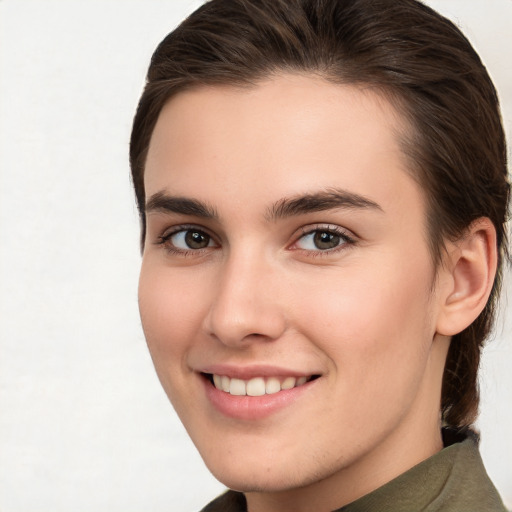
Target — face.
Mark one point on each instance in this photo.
(286, 290)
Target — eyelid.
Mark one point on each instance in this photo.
(172, 230)
(348, 237)
(163, 239)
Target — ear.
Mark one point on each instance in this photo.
(468, 276)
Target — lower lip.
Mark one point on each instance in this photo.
(252, 408)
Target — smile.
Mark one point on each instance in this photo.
(255, 393)
(257, 386)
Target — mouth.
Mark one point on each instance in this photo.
(256, 386)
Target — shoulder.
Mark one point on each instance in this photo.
(468, 487)
(453, 480)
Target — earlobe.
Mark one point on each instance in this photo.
(472, 268)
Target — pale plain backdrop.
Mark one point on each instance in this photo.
(84, 424)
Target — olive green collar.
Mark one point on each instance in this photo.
(452, 480)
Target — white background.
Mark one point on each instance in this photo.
(84, 424)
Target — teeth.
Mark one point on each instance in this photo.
(257, 386)
(301, 381)
(272, 386)
(237, 387)
(224, 384)
(288, 383)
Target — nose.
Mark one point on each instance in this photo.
(245, 307)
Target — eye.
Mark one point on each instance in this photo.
(187, 240)
(324, 239)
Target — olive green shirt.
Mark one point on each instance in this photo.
(453, 480)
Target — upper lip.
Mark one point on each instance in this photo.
(252, 371)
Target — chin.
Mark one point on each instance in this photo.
(260, 481)
(263, 474)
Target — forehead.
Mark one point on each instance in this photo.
(281, 137)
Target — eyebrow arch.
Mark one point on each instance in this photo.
(329, 199)
(163, 202)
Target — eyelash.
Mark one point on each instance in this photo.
(165, 240)
(346, 240)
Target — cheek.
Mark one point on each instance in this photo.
(170, 310)
(371, 322)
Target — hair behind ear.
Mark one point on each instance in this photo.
(472, 262)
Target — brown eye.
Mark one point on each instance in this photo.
(325, 240)
(196, 239)
(190, 239)
(319, 240)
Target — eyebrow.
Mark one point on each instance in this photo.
(163, 202)
(330, 199)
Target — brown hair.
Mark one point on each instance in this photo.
(404, 49)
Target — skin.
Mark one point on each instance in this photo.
(364, 316)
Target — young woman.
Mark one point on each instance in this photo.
(322, 187)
